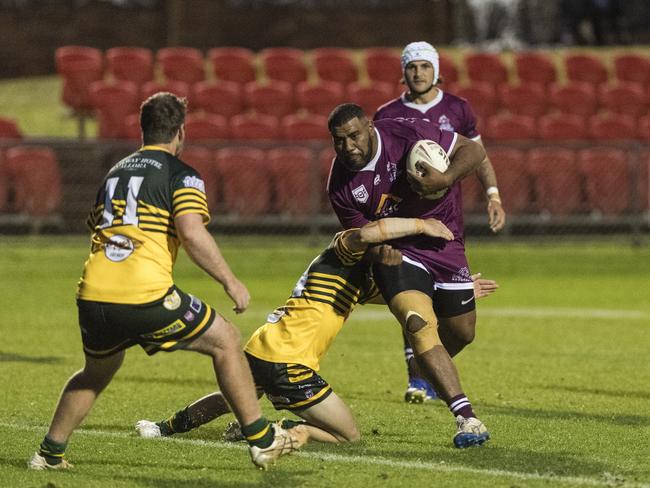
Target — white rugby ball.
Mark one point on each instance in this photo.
(428, 153)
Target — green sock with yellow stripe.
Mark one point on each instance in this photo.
(259, 433)
(53, 452)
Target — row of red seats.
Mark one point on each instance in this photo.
(80, 65)
(30, 181)
(556, 181)
(572, 98)
(335, 64)
(559, 126)
(502, 127)
(560, 181)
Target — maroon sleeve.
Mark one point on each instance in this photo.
(343, 206)
(469, 123)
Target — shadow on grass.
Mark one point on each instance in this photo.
(537, 414)
(21, 358)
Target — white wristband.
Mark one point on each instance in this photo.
(493, 190)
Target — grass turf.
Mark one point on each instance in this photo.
(558, 372)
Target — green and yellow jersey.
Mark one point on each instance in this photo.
(303, 329)
(134, 241)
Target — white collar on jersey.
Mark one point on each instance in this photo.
(422, 107)
(371, 165)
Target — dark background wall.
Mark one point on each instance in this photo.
(31, 31)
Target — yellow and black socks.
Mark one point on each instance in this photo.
(259, 433)
(53, 452)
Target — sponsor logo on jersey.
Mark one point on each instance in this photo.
(194, 182)
(445, 123)
(118, 247)
(189, 316)
(377, 180)
(172, 301)
(195, 304)
(360, 194)
(275, 316)
(391, 169)
(172, 328)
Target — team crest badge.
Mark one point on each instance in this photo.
(172, 301)
(445, 123)
(360, 194)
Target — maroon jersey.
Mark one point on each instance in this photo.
(380, 189)
(448, 111)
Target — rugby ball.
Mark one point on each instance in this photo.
(428, 153)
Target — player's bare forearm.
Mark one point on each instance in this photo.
(394, 228)
(202, 248)
(486, 174)
(466, 157)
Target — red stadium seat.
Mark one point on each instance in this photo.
(486, 67)
(624, 98)
(612, 127)
(223, 98)
(284, 64)
(38, 184)
(130, 64)
(320, 98)
(201, 159)
(510, 127)
(448, 71)
(574, 98)
(4, 185)
(205, 126)
(232, 64)
(524, 99)
(334, 64)
(178, 88)
(131, 128)
(299, 128)
(643, 125)
(292, 169)
(112, 103)
(254, 126)
(634, 68)
(586, 68)
(559, 127)
(642, 203)
(371, 97)
(482, 98)
(245, 178)
(182, 64)
(557, 180)
(535, 67)
(515, 182)
(325, 159)
(608, 179)
(9, 129)
(79, 66)
(383, 65)
(273, 98)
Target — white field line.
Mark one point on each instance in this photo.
(607, 481)
(377, 313)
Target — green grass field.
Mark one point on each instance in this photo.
(558, 372)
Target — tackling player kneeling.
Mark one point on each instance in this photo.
(285, 353)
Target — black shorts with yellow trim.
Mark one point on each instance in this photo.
(288, 386)
(166, 324)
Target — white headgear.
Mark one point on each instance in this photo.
(421, 51)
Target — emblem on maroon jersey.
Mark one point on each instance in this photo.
(360, 194)
(445, 123)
